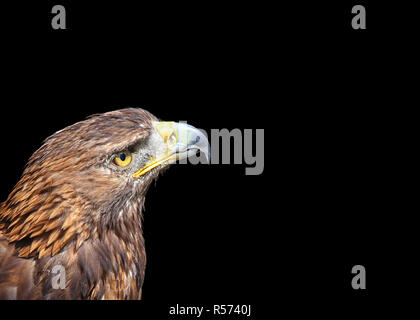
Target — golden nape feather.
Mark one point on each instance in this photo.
(72, 226)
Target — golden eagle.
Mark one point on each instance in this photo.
(78, 205)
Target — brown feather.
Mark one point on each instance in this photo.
(69, 209)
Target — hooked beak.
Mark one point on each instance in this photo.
(181, 141)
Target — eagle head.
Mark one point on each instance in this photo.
(83, 191)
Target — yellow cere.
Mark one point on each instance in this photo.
(166, 130)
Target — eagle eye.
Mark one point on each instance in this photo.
(123, 159)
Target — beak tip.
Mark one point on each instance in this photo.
(207, 154)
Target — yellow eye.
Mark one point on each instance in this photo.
(123, 159)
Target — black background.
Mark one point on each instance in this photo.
(326, 95)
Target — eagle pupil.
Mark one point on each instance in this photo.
(122, 156)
